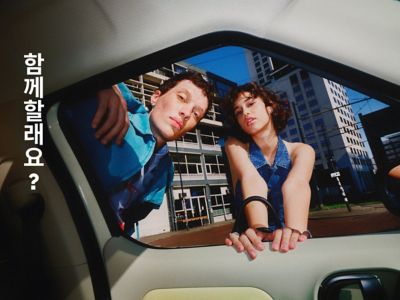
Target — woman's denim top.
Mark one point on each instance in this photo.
(274, 176)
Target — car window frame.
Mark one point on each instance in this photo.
(365, 83)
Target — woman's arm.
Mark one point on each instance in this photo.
(296, 198)
(296, 188)
(252, 184)
(251, 181)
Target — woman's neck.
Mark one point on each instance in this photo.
(267, 141)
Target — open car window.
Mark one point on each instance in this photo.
(355, 146)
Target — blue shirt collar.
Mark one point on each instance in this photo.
(282, 158)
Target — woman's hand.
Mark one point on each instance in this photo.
(286, 239)
(251, 241)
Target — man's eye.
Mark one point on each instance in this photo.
(181, 97)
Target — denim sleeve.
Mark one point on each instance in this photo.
(133, 103)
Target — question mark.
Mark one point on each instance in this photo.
(35, 178)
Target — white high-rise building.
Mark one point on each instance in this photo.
(322, 117)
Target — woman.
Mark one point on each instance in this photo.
(263, 164)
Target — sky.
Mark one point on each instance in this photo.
(230, 62)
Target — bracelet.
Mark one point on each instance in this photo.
(269, 206)
(241, 218)
(305, 232)
(264, 229)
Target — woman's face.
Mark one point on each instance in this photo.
(252, 114)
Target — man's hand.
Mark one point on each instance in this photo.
(111, 115)
(251, 241)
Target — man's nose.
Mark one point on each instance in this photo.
(185, 112)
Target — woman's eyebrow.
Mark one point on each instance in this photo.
(236, 107)
(249, 98)
(245, 100)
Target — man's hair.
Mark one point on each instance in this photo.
(196, 78)
(280, 109)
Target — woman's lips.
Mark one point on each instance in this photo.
(250, 121)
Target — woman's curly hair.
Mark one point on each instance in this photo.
(280, 109)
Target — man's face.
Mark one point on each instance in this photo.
(177, 111)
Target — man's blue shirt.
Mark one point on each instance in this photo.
(114, 165)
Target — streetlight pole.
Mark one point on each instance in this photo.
(182, 195)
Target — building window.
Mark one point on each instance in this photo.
(310, 93)
(219, 200)
(316, 110)
(189, 137)
(307, 84)
(302, 107)
(283, 95)
(293, 80)
(319, 123)
(179, 69)
(187, 163)
(307, 126)
(293, 131)
(296, 89)
(290, 122)
(304, 75)
(208, 137)
(313, 102)
(214, 164)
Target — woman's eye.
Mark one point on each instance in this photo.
(238, 112)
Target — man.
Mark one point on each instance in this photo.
(139, 164)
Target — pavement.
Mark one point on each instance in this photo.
(356, 210)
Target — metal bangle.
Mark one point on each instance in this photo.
(264, 229)
(305, 232)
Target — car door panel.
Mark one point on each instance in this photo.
(135, 270)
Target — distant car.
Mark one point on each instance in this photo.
(58, 241)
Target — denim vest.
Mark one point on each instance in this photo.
(112, 164)
(274, 176)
